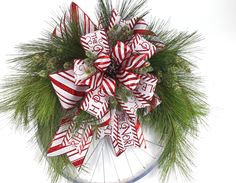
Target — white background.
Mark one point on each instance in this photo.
(215, 158)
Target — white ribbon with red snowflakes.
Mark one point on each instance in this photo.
(114, 67)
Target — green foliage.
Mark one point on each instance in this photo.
(30, 95)
(183, 105)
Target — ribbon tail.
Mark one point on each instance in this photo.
(112, 131)
(78, 154)
(138, 133)
(81, 18)
(60, 144)
(114, 19)
(126, 133)
(115, 136)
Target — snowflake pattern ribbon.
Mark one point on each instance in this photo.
(113, 67)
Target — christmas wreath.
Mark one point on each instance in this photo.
(84, 82)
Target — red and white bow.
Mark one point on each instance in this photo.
(114, 66)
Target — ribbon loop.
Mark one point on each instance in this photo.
(120, 52)
(95, 42)
(128, 79)
(140, 45)
(102, 62)
(80, 71)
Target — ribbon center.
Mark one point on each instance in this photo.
(112, 69)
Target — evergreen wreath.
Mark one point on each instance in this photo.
(129, 51)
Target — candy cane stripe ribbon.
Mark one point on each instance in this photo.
(140, 45)
(135, 62)
(128, 79)
(60, 144)
(95, 103)
(95, 42)
(82, 18)
(93, 87)
(75, 146)
(120, 52)
(141, 28)
(68, 93)
(102, 62)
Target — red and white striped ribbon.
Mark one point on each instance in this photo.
(80, 69)
(120, 52)
(129, 79)
(78, 16)
(102, 62)
(95, 42)
(140, 135)
(140, 45)
(60, 144)
(95, 103)
(93, 82)
(129, 133)
(112, 131)
(84, 22)
(109, 86)
(134, 62)
(79, 152)
(116, 19)
(75, 145)
(68, 93)
(63, 28)
(129, 23)
(105, 120)
(123, 132)
(141, 27)
(115, 136)
(131, 105)
(146, 87)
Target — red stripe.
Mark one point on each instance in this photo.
(85, 24)
(78, 162)
(55, 148)
(65, 77)
(70, 104)
(54, 33)
(66, 88)
(89, 24)
(144, 32)
(76, 152)
(74, 11)
(66, 72)
(65, 120)
(105, 123)
(109, 87)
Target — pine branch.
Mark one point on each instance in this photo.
(183, 106)
(127, 9)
